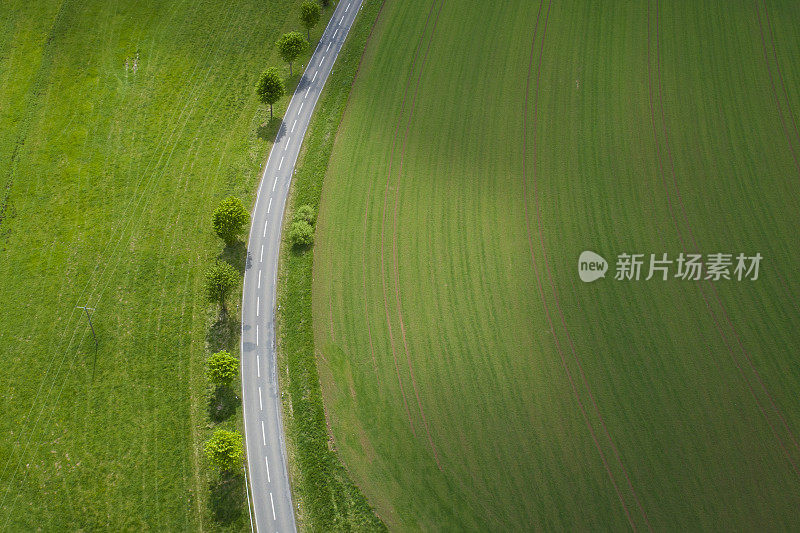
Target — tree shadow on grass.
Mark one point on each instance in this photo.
(301, 249)
(235, 255)
(297, 82)
(224, 334)
(271, 130)
(222, 403)
(228, 497)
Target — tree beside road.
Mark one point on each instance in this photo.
(230, 220)
(290, 46)
(309, 15)
(270, 88)
(224, 450)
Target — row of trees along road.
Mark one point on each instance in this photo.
(271, 87)
(224, 450)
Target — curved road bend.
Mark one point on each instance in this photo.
(266, 448)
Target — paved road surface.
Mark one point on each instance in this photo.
(266, 449)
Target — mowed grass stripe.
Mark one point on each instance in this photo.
(109, 166)
(83, 330)
(148, 498)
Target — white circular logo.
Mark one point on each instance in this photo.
(591, 266)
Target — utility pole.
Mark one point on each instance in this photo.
(86, 310)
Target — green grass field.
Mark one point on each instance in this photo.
(122, 124)
(471, 380)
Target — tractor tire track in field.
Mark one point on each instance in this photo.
(32, 95)
(383, 218)
(773, 88)
(364, 286)
(789, 111)
(695, 242)
(539, 282)
(552, 283)
(394, 241)
(706, 299)
(366, 213)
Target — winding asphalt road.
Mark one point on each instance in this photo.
(266, 447)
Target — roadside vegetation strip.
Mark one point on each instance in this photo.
(117, 156)
(325, 497)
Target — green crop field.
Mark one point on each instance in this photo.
(471, 380)
(122, 124)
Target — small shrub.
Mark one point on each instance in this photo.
(301, 234)
(222, 368)
(305, 212)
(224, 450)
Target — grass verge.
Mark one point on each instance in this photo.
(325, 496)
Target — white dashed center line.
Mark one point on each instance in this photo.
(331, 40)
